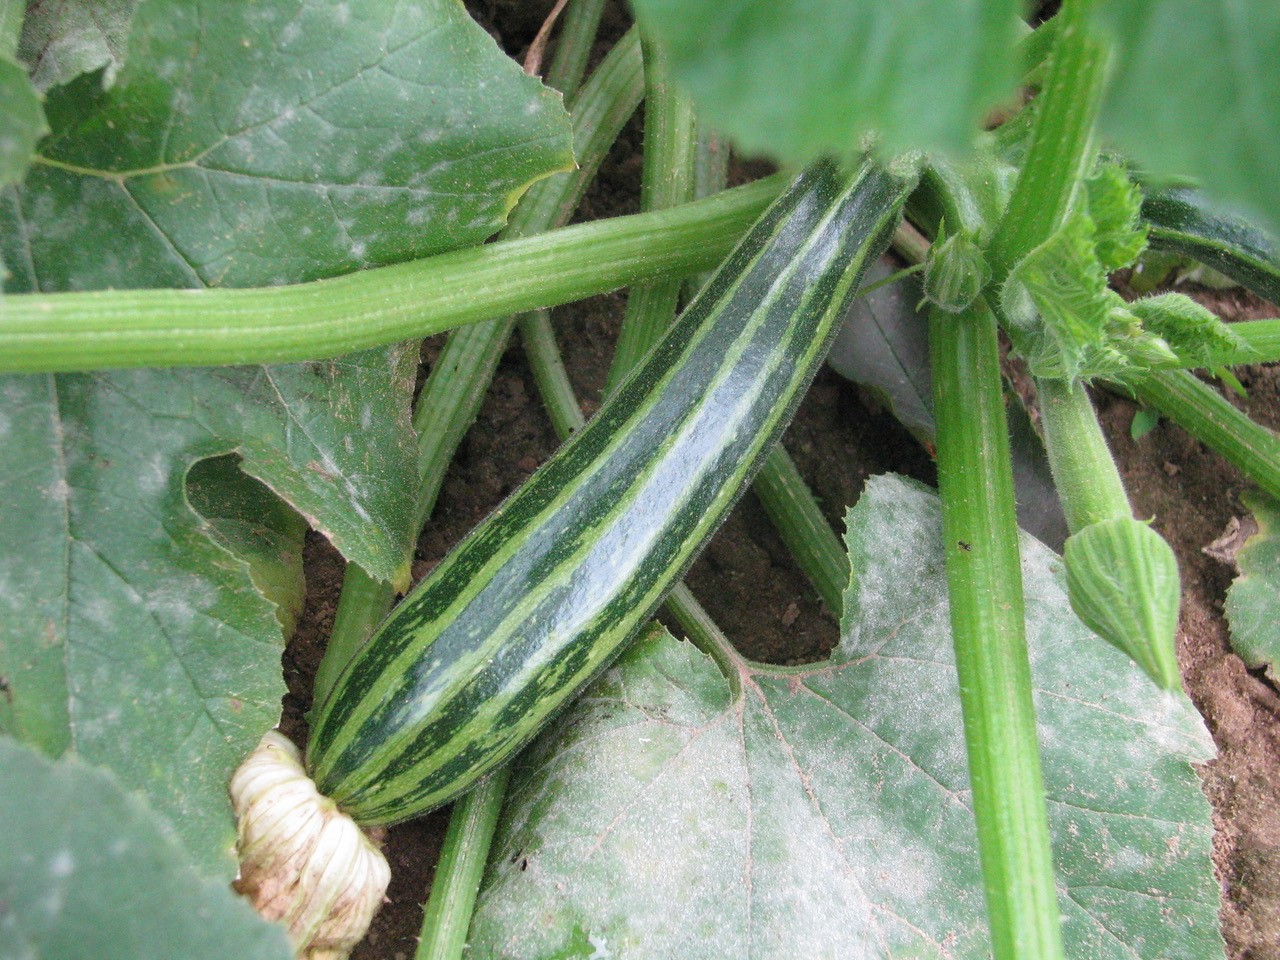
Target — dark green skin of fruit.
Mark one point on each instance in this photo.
(542, 596)
(1182, 221)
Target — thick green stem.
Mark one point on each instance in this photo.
(447, 915)
(1085, 475)
(1059, 149)
(578, 28)
(543, 354)
(1204, 414)
(667, 181)
(451, 397)
(704, 634)
(710, 176)
(796, 515)
(137, 328)
(987, 622)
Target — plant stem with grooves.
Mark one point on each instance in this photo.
(667, 181)
(1059, 149)
(446, 917)
(1084, 474)
(1207, 416)
(64, 332)
(578, 29)
(984, 581)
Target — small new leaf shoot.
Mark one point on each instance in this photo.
(1144, 421)
(1194, 333)
(1114, 204)
(956, 271)
(1057, 302)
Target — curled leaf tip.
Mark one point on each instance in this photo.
(303, 861)
(1122, 580)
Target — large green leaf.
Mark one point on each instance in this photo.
(130, 632)
(1193, 92)
(824, 812)
(62, 39)
(86, 873)
(241, 144)
(1253, 602)
(796, 78)
(246, 144)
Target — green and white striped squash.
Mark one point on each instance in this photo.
(541, 597)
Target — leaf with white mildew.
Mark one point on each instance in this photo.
(95, 877)
(824, 811)
(240, 144)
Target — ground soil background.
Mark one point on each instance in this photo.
(749, 583)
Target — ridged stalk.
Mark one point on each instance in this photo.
(1122, 577)
(1203, 413)
(984, 582)
(1083, 471)
(1059, 150)
(578, 29)
(63, 332)
(451, 397)
(446, 917)
(667, 181)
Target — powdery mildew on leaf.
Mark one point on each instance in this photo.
(824, 811)
(241, 144)
(132, 629)
(94, 877)
(62, 39)
(273, 142)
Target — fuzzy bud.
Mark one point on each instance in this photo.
(303, 862)
(1122, 580)
(955, 272)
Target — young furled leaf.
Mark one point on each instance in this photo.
(1057, 302)
(1193, 332)
(1114, 205)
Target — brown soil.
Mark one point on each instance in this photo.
(753, 589)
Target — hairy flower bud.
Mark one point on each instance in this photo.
(1122, 580)
(955, 272)
(302, 860)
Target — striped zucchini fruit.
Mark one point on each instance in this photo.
(539, 598)
(1183, 221)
